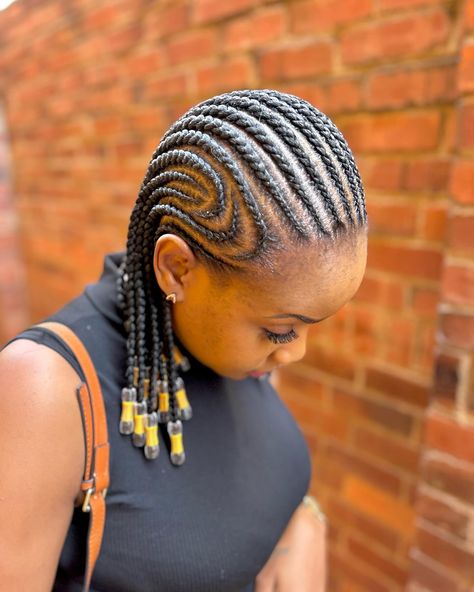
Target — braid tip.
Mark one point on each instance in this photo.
(175, 431)
(152, 446)
(139, 436)
(129, 396)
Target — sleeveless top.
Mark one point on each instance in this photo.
(209, 525)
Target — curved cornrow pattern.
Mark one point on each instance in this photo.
(244, 149)
(236, 177)
(261, 113)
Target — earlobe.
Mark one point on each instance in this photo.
(173, 261)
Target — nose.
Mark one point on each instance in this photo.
(290, 352)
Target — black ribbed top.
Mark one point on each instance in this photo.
(208, 525)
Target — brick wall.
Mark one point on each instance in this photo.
(443, 553)
(385, 386)
(13, 308)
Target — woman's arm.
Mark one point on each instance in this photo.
(298, 562)
(41, 462)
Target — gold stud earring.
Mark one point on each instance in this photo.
(171, 298)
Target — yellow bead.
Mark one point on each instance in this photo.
(152, 447)
(139, 437)
(175, 431)
(129, 396)
(184, 408)
(164, 402)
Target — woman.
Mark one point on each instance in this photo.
(250, 227)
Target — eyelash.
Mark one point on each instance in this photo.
(280, 337)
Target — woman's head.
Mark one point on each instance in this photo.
(247, 174)
(242, 324)
(257, 193)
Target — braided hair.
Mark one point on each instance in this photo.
(236, 177)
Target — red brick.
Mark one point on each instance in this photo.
(312, 92)
(384, 447)
(440, 84)
(377, 561)
(449, 140)
(172, 17)
(381, 174)
(400, 89)
(396, 4)
(425, 346)
(449, 475)
(379, 505)
(345, 515)
(381, 477)
(427, 175)
(213, 10)
(345, 576)
(469, 15)
(366, 332)
(304, 396)
(336, 331)
(458, 284)
(446, 377)
(461, 233)
(167, 87)
(235, 72)
(392, 219)
(393, 132)
(431, 575)
(462, 182)
(192, 46)
(397, 387)
(411, 88)
(449, 553)
(263, 27)
(319, 15)
(330, 361)
(433, 224)
(400, 346)
(300, 61)
(425, 302)
(344, 96)
(466, 127)
(458, 330)
(466, 68)
(377, 413)
(144, 64)
(381, 292)
(406, 261)
(398, 37)
(441, 511)
(450, 436)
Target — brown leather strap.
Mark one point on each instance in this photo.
(96, 470)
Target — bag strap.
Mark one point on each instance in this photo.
(96, 471)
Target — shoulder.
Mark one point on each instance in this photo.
(42, 458)
(40, 415)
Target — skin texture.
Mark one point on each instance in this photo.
(42, 458)
(299, 560)
(313, 282)
(41, 436)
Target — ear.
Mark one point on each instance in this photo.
(173, 262)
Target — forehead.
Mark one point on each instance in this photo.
(313, 280)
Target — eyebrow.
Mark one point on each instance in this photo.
(296, 316)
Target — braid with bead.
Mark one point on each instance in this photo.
(233, 177)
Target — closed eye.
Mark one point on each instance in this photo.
(280, 337)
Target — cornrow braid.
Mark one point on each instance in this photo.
(235, 177)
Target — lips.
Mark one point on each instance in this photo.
(258, 374)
